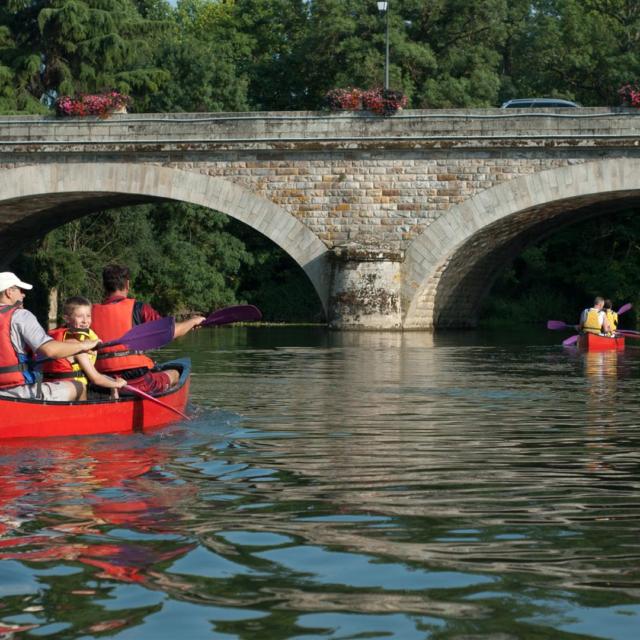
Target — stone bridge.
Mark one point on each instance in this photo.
(399, 223)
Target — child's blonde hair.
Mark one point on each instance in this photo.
(72, 303)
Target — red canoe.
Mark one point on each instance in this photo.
(594, 342)
(39, 418)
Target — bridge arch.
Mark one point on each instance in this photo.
(452, 265)
(37, 198)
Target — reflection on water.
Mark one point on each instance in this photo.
(342, 485)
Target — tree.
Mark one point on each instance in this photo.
(582, 50)
(201, 54)
(76, 46)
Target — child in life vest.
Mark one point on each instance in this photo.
(612, 317)
(81, 367)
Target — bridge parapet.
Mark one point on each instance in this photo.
(411, 129)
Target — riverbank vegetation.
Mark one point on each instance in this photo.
(239, 55)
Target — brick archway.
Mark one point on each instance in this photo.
(451, 266)
(37, 198)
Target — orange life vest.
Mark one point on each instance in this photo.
(14, 367)
(110, 321)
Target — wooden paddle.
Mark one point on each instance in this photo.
(146, 396)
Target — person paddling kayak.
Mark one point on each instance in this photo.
(594, 319)
(612, 317)
(116, 315)
(20, 332)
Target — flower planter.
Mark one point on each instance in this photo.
(101, 105)
(381, 102)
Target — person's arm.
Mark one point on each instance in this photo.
(583, 317)
(144, 312)
(183, 327)
(56, 349)
(94, 376)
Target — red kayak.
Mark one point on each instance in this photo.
(594, 342)
(40, 418)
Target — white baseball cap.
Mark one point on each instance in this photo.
(8, 280)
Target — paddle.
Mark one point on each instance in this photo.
(146, 396)
(558, 324)
(237, 313)
(145, 336)
(569, 342)
(628, 333)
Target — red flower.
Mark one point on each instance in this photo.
(92, 104)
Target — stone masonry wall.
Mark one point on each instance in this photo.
(381, 202)
(350, 177)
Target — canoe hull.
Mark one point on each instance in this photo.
(39, 419)
(593, 342)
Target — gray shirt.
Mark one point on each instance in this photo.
(27, 332)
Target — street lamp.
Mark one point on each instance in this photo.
(384, 6)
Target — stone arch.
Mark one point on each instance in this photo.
(37, 198)
(451, 266)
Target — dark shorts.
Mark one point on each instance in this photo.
(152, 382)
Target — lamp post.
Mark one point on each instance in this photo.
(384, 6)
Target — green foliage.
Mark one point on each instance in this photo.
(183, 259)
(274, 282)
(76, 46)
(561, 276)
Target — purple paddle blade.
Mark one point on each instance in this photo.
(558, 324)
(628, 333)
(238, 313)
(624, 308)
(149, 335)
(569, 342)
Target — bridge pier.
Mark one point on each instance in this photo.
(365, 288)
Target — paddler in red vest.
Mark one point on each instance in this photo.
(20, 333)
(594, 319)
(116, 315)
(81, 367)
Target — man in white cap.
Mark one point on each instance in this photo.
(19, 332)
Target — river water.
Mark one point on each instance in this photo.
(342, 485)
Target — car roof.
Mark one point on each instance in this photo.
(537, 102)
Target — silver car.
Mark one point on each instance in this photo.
(538, 103)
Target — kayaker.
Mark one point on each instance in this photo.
(81, 367)
(594, 319)
(612, 317)
(20, 332)
(116, 315)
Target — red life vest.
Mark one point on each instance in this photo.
(110, 321)
(12, 365)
